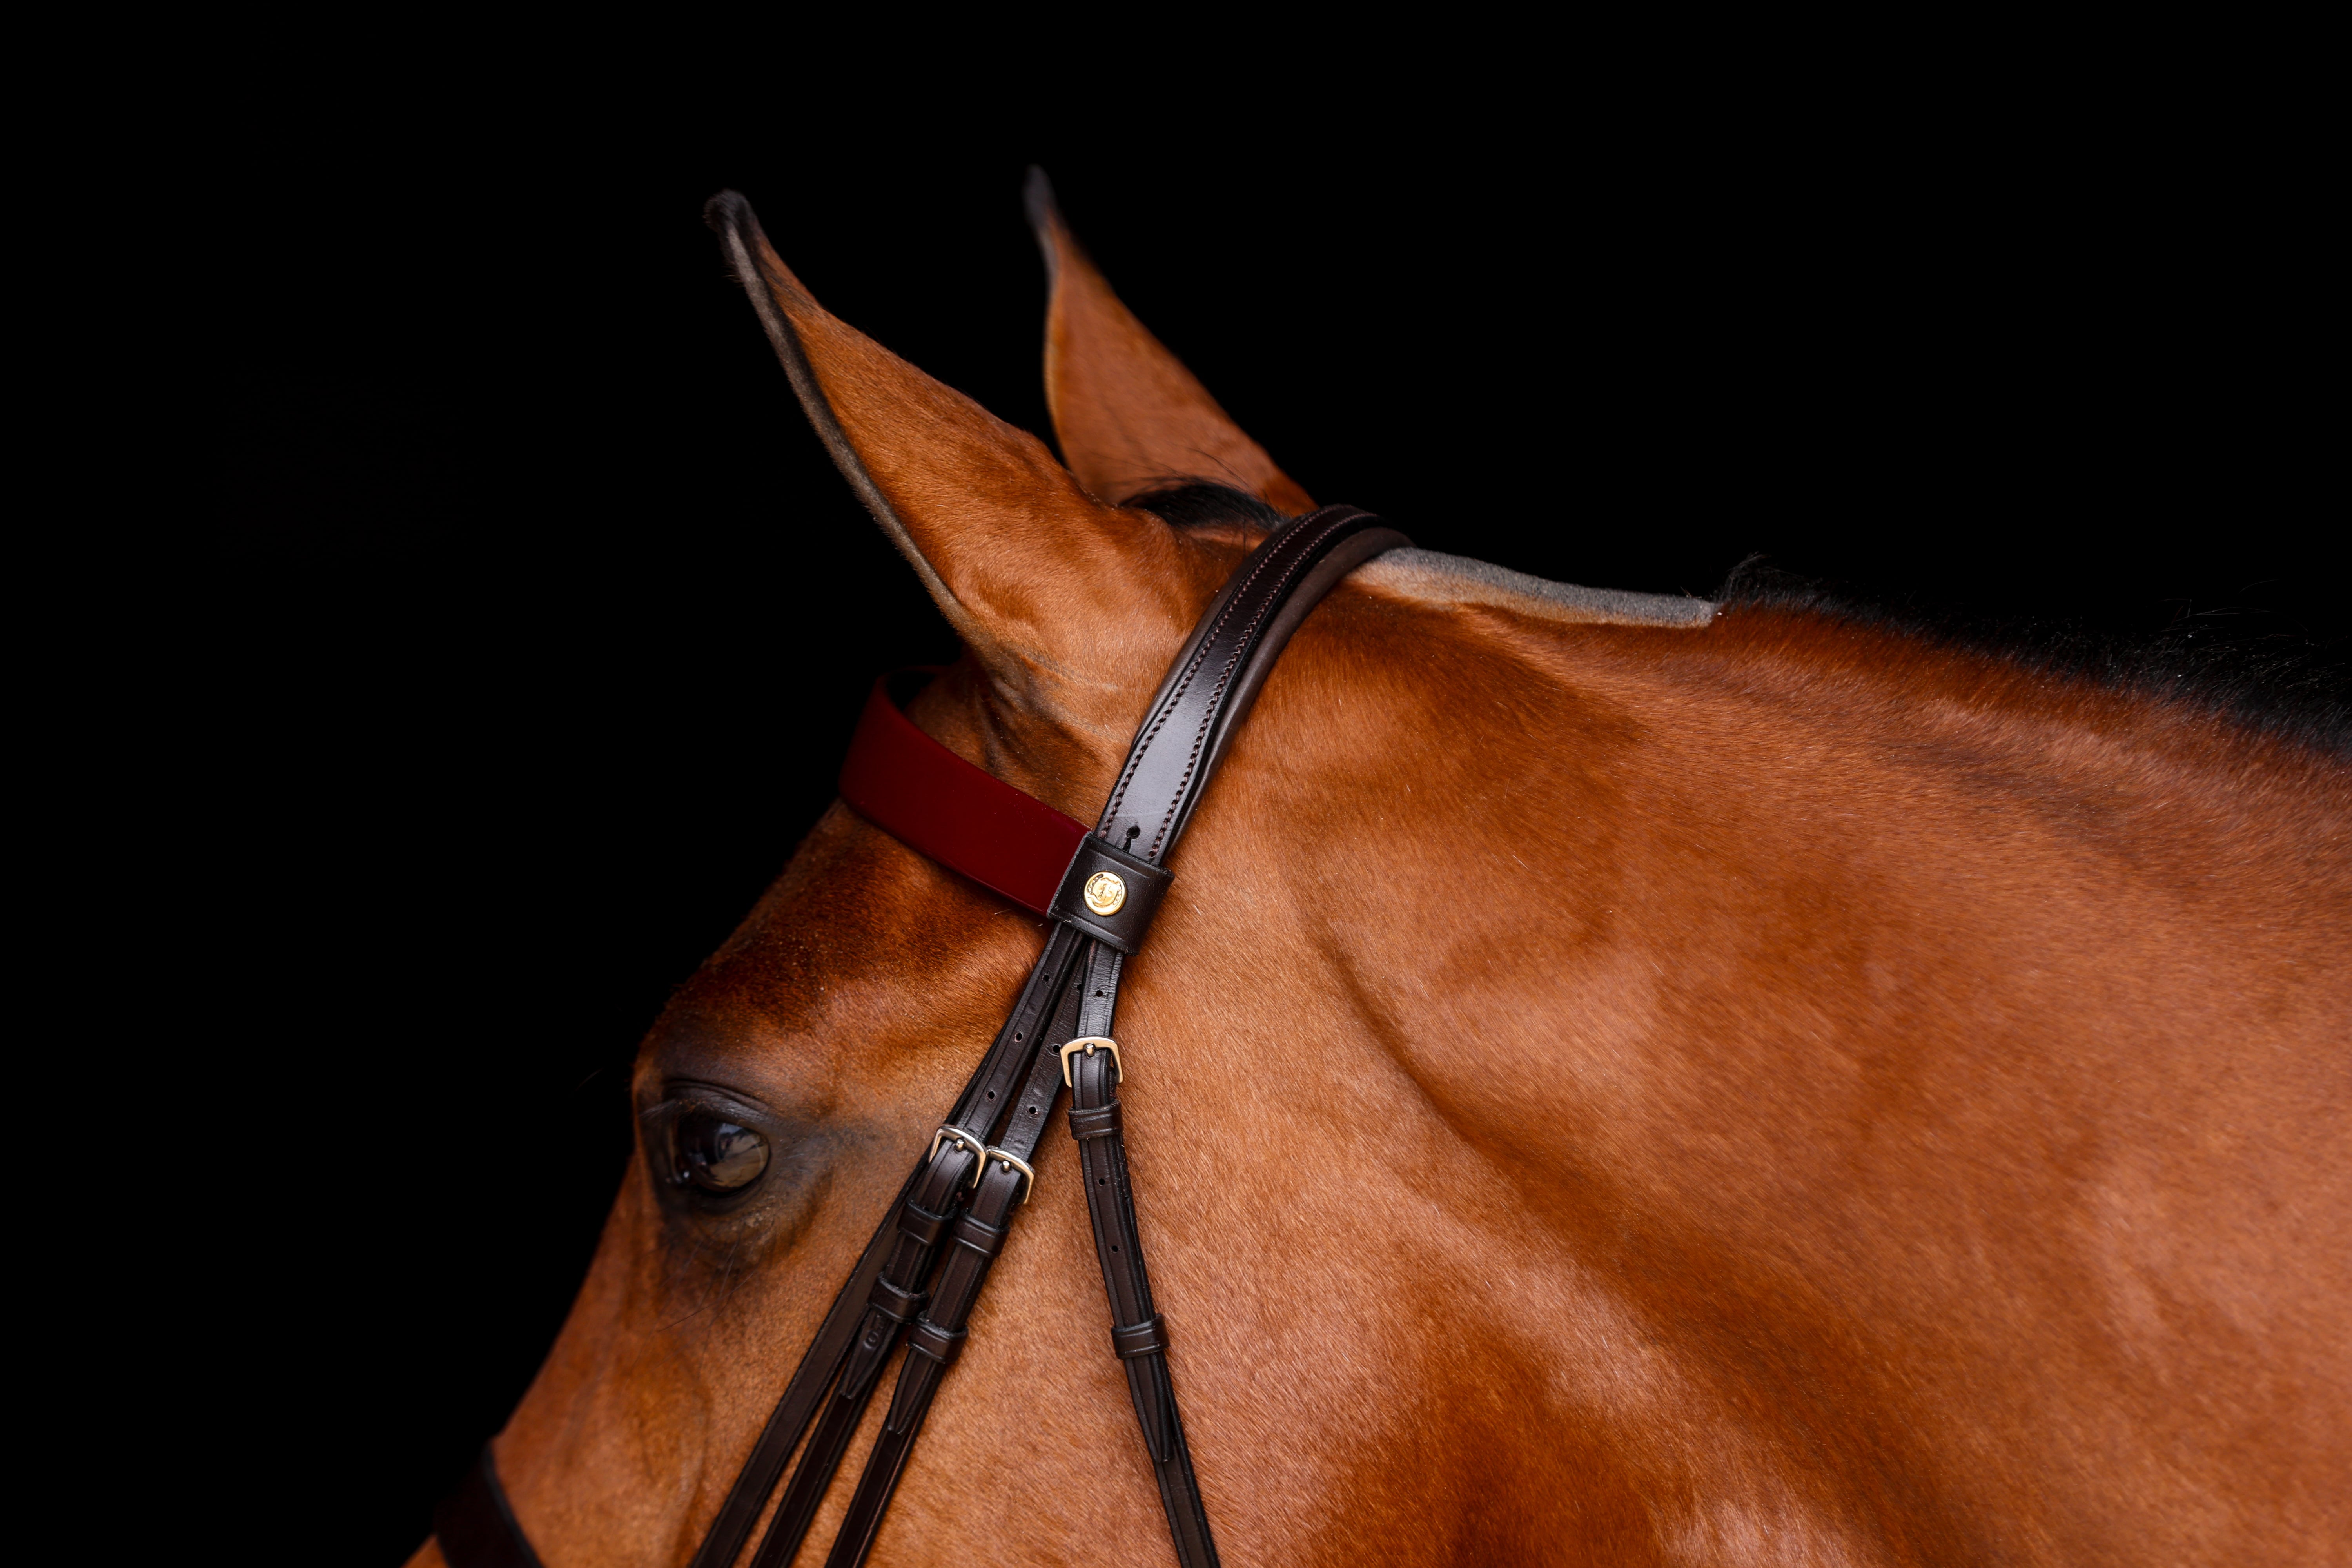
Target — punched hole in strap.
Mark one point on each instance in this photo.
(1140, 1339)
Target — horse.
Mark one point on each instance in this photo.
(1617, 1079)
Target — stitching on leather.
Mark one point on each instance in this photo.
(1209, 715)
(1167, 709)
(1200, 656)
(1032, 1015)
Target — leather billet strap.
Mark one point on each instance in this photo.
(903, 781)
(1138, 1335)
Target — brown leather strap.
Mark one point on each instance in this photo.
(1215, 680)
(990, 1085)
(976, 1110)
(1139, 1334)
(940, 1338)
(896, 1300)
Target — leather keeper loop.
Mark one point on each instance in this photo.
(979, 1236)
(926, 1338)
(1100, 1122)
(1141, 887)
(899, 1306)
(920, 1224)
(1139, 1338)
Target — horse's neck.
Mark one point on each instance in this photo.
(1899, 1057)
(1706, 829)
(1781, 881)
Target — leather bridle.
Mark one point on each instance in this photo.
(922, 1272)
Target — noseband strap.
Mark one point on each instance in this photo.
(922, 1272)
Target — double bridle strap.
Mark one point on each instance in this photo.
(922, 1272)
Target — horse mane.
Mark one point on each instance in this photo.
(2266, 681)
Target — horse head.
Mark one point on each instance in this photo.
(1611, 1081)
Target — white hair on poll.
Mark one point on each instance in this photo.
(1434, 578)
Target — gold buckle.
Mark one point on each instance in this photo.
(1012, 1163)
(972, 1142)
(1118, 1068)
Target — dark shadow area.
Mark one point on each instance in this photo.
(526, 621)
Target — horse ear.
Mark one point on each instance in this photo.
(1043, 583)
(1128, 413)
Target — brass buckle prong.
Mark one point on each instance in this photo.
(972, 1142)
(1014, 1163)
(1090, 1042)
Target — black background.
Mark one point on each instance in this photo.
(527, 627)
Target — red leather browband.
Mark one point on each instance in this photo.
(934, 802)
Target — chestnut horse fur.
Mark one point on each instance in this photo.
(1769, 1090)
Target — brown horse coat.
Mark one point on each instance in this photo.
(1753, 1089)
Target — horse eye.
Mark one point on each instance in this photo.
(718, 1156)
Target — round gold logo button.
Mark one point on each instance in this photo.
(1104, 892)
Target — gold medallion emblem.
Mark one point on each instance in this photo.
(1104, 892)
